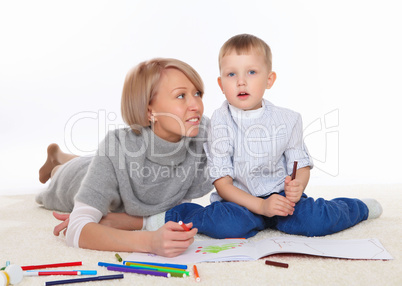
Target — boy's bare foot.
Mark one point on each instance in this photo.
(51, 162)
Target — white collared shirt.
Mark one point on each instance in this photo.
(256, 148)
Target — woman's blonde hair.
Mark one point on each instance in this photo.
(141, 85)
(243, 44)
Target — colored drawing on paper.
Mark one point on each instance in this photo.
(217, 248)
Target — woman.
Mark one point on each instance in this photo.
(140, 171)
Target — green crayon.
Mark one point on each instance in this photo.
(118, 257)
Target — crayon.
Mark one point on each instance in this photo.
(47, 273)
(65, 264)
(173, 272)
(152, 266)
(118, 257)
(294, 170)
(83, 272)
(182, 272)
(178, 266)
(196, 276)
(277, 264)
(96, 278)
(184, 226)
(138, 271)
(56, 272)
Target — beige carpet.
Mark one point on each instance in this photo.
(26, 238)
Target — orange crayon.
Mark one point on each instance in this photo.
(196, 276)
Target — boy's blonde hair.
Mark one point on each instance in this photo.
(243, 44)
(141, 85)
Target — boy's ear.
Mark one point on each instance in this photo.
(220, 84)
(271, 79)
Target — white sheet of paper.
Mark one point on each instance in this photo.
(241, 249)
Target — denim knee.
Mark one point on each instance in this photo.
(219, 220)
(321, 217)
(229, 220)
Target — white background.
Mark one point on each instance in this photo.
(63, 63)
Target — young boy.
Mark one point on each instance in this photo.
(251, 151)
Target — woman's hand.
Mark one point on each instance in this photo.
(115, 220)
(171, 240)
(63, 225)
(277, 205)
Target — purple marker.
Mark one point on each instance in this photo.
(138, 271)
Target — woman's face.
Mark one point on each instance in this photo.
(177, 107)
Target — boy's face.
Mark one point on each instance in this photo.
(244, 79)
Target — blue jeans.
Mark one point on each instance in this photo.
(310, 218)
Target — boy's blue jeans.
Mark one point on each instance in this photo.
(310, 218)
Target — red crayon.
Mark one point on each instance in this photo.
(48, 273)
(184, 226)
(64, 264)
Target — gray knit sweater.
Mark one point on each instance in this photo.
(138, 174)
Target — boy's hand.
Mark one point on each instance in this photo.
(293, 189)
(277, 205)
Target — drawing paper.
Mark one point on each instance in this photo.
(241, 250)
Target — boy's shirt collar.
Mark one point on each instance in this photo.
(247, 114)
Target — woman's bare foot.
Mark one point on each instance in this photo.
(55, 157)
(51, 162)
